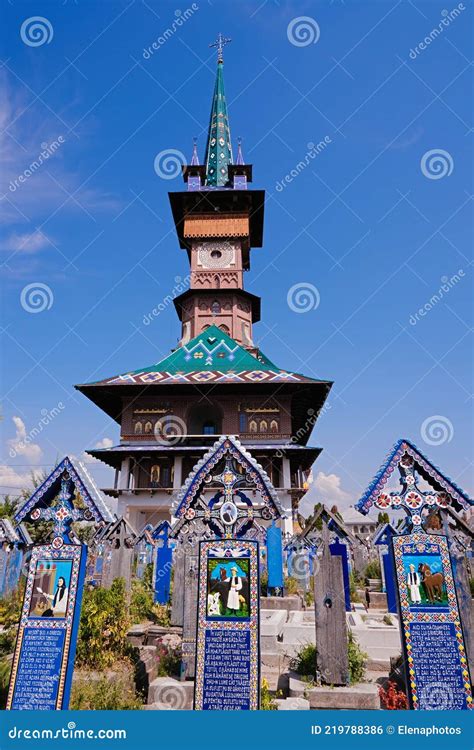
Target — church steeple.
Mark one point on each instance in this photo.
(219, 146)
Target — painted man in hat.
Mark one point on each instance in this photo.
(235, 585)
(414, 583)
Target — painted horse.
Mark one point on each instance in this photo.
(432, 583)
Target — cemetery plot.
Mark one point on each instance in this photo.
(44, 654)
(438, 673)
(227, 654)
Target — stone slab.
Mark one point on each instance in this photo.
(146, 667)
(169, 694)
(361, 696)
(272, 622)
(289, 603)
(137, 634)
(292, 704)
(302, 617)
(378, 600)
(380, 643)
(299, 630)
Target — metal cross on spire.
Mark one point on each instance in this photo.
(220, 43)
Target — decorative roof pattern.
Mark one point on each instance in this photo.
(8, 535)
(375, 494)
(120, 529)
(83, 483)
(311, 531)
(383, 533)
(227, 445)
(219, 146)
(210, 357)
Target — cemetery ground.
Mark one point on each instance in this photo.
(129, 656)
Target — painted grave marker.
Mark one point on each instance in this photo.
(436, 660)
(438, 673)
(43, 661)
(228, 644)
(163, 556)
(44, 654)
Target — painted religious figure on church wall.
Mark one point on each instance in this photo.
(228, 588)
(425, 581)
(50, 592)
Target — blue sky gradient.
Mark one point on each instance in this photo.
(362, 223)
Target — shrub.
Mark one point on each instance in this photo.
(357, 659)
(103, 627)
(264, 584)
(141, 603)
(5, 669)
(7, 642)
(353, 587)
(169, 655)
(161, 614)
(309, 597)
(304, 663)
(267, 702)
(291, 585)
(393, 699)
(10, 606)
(373, 569)
(103, 695)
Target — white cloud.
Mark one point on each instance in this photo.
(327, 489)
(25, 243)
(11, 480)
(22, 444)
(329, 486)
(104, 443)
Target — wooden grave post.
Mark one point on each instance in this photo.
(118, 553)
(330, 616)
(191, 571)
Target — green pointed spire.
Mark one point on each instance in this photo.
(219, 146)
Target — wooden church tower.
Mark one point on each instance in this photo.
(217, 381)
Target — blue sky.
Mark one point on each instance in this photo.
(369, 222)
